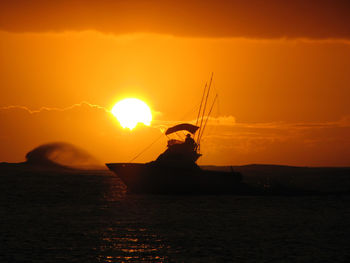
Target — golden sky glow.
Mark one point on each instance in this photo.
(282, 100)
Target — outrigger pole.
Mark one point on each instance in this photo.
(205, 105)
(205, 124)
(200, 107)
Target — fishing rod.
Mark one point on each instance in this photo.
(200, 107)
(205, 124)
(145, 149)
(205, 105)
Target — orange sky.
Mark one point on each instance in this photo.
(281, 100)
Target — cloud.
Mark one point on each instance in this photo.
(81, 104)
(308, 143)
(276, 131)
(88, 126)
(324, 19)
(65, 154)
(225, 141)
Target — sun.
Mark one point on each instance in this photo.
(129, 112)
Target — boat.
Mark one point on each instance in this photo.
(175, 171)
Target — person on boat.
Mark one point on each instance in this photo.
(190, 142)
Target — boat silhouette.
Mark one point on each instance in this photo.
(175, 171)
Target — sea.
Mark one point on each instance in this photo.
(90, 217)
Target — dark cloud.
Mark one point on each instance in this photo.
(199, 18)
(61, 153)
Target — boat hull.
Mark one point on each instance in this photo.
(148, 178)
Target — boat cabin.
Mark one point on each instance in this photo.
(180, 153)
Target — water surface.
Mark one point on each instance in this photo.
(89, 218)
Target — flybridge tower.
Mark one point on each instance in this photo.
(201, 122)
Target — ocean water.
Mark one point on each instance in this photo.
(90, 218)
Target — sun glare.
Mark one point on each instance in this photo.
(129, 112)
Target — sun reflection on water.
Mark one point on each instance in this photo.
(132, 244)
(125, 234)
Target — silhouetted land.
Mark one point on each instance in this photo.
(57, 214)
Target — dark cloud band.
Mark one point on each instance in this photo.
(199, 18)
